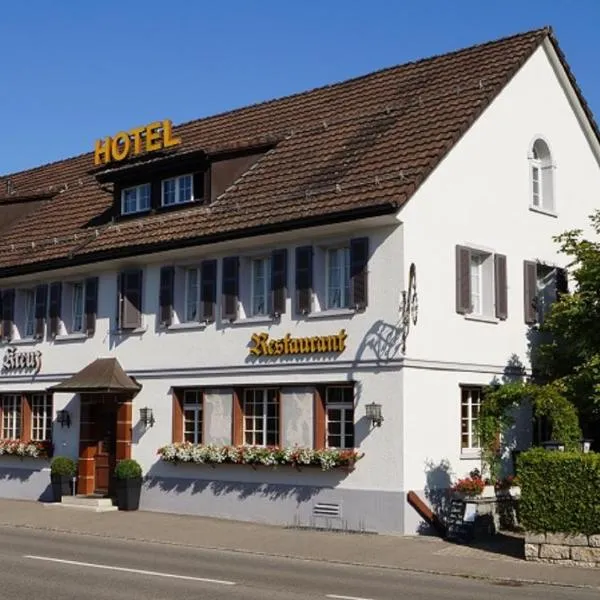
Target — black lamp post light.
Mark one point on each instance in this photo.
(553, 446)
(586, 445)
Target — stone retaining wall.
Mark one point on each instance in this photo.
(563, 549)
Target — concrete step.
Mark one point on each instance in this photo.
(91, 503)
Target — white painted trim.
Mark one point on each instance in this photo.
(331, 312)
(563, 79)
(70, 337)
(482, 319)
(28, 341)
(193, 325)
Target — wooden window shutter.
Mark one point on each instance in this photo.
(167, 279)
(562, 283)
(131, 299)
(278, 281)
(177, 422)
(237, 420)
(463, 280)
(55, 307)
(156, 194)
(320, 433)
(304, 279)
(26, 417)
(530, 291)
(229, 306)
(91, 305)
(8, 310)
(41, 309)
(359, 261)
(500, 286)
(208, 290)
(198, 185)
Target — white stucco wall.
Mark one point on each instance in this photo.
(479, 197)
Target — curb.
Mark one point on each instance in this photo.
(505, 581)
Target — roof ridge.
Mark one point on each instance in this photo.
(538, 34)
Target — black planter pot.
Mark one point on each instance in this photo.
(128, 493)
(62, 485)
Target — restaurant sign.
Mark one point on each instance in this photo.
(21, 361)
(148, 138)
(262, 345)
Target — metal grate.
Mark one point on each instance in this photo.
(327, 509)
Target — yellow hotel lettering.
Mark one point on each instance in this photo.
(151, 137)
(263, 346)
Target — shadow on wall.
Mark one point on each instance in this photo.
(438, 477)
(157, 478)
(22, 476)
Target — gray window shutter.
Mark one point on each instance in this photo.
(562, 283)
(304, 279)
(500, 286)
(55, 307)
(463, 280)
(208, 290)
(278, 281)
(530, 291)
(91, 305)
(41, 309)
(359, 260)
(167, 278)
(229, 300)
(131, 299)
(8, 311)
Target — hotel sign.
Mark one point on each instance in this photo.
(148, 138)
(262, 345)
(21, 361)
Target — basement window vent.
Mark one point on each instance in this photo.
(327, 509)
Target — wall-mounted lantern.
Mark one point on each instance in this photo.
(374, 413)
(553, 445)
(63, 418)
(146, 417)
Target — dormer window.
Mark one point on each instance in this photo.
(135, 199)
(177, 190)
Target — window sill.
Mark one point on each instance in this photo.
(470, 454)
(137, 331)
(70, 337)
(261, 319)
(482, 319)
(25, 341)
(543, 211)
(186, 326)
(331, 313)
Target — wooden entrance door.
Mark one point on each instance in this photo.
(105, 426)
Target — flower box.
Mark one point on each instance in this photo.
(25, 449)
(254, 456)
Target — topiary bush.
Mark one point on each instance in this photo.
(128, 469)
(62, 465)
(560, 491)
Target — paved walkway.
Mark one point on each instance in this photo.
(499, 560)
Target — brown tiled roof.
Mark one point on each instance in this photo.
(101, 375)
(358, 147)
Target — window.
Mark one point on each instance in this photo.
(543, 284)
(261, 278)
(481, 283)
(542, 176)
(135, 199)
(339, 414)
(11, 416)
(177, 190)
(41, 417)
(28, 299)
(470, 404)
(77, 295)
(338, 278)
(261, 416)
(193, 416)
(192, 295)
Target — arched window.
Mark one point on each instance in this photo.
(542, 176)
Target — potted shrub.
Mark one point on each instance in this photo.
(469, 487)
(62, 471)
(128, 474)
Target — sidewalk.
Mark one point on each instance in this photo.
(498, 560)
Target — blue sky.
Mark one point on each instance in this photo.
(73, 71)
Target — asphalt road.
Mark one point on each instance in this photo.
(44, 565)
